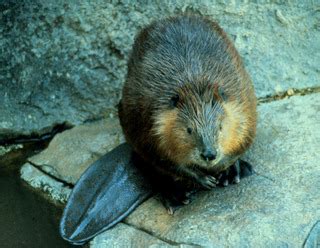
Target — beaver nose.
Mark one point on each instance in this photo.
(208, 155)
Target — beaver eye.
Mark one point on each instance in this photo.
(222, 94)
(174, 101)
(220, 126)
(189, 130)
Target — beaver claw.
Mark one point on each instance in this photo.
(207, 181)
(170, 206)
(175, 201)
(235, 172)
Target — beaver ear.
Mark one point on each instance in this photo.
(174, 101)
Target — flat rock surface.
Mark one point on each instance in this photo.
(65, 61)
(276, 207)
(72, 151)
(122, 235)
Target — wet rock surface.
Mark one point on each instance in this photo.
(27, 220)
(276, 207)
(65, 61)
(57, 191)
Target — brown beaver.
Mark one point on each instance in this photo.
(188, 106)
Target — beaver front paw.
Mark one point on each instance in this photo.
(235, 172)
(207, 181)
(174, 200)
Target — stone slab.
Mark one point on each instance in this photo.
(71, 152)
(123, 235)
(58, 192)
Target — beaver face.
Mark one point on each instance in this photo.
(189, 140)
(197, 130)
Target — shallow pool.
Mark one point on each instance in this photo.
(26, 218)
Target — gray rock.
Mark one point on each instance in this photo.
(276, 207)
(72, 151)
(6, 149)
(56, 191)
(123, 235)
(65, 61)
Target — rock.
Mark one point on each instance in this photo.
(281, 18)
(57, 191)
(276, 207)
(72, 151)
(65, 61)
(122, 235)
(290, 92)
(6, 149)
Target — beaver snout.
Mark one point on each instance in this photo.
(208, 155)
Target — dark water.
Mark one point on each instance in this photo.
(26, 219)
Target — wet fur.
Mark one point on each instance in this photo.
(193, 58)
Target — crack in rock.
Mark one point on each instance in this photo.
(289, 93)
(266, 177)
(170, 242)
(41, 137)
(39, 167)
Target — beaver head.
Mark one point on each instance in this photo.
(202, 125)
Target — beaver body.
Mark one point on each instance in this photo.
(188, 106)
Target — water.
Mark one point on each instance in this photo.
(26, 218)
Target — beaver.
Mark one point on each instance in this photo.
(188, 106)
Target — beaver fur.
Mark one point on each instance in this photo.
(188, 106)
